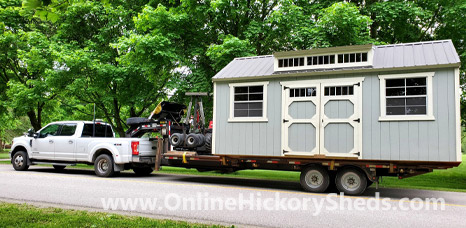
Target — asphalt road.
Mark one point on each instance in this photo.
(81, 189)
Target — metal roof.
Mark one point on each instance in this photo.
(407, 55)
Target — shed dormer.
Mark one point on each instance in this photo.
(324, 58)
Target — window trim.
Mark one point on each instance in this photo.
(264, 102)
(383, 101)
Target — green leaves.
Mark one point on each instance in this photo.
(231, 47)
(342, 24)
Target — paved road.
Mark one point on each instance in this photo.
(81, 189)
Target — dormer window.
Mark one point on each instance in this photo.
(324, 58)
(352, 57)
(291, 62)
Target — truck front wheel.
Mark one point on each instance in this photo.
(351, 181)
(315, 179)
(20, 161)
(103, 166)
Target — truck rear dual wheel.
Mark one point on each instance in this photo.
(20, 161)
(103, 166)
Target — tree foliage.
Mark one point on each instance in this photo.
(59, 57)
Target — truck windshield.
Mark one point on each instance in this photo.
(100, 130)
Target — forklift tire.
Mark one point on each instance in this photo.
(136, 120)
(208, 142)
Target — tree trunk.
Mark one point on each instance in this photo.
(119, 128)
(34, 121)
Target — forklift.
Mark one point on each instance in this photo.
(182, 134)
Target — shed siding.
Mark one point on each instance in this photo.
(389, 140)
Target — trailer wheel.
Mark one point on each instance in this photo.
(314, 179)
(351, 181)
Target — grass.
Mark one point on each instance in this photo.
(22, 215)
(445, 180)
(4, 154)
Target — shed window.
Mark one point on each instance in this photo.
(406, 97)
(248, 101)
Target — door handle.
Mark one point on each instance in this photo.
(50, 141)
(357, 120)
(70, 142)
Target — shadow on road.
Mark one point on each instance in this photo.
(259, 184)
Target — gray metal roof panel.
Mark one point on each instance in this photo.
(427, 53)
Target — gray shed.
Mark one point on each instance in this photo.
(389, 102)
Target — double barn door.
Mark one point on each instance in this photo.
(322, 117)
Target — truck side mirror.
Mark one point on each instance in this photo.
(32, 133)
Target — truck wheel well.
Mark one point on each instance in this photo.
(100, 152)
(18, 148)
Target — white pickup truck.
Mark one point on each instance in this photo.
(70, 142)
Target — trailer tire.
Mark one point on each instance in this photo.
(143, 171)
(351, 181)
(103, 166)
(20, 161)
(314, 178)
(136, 120)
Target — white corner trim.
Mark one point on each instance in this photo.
(383, 104)
(264, 102)
(457, 92)
(214, 127)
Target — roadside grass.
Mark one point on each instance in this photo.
(22, 215)
(444, 180)
(4, 154)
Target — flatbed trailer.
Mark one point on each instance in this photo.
(372, 169)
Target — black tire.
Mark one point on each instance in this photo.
(20, 161)
(59, 167)
(103, 166)
(143, 171)
(177, 139)
(351, 181)
(208, 142)
(314, 178)
(136, 120)
(192, 140)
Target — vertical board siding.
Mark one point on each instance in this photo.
(395, 140)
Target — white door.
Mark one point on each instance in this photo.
(322, 117)
(340, 119)
(43, 147)
(65, 143)
(301, 119)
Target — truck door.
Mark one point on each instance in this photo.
(65, 143)
(43, 146)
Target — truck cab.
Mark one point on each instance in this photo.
(67, 143)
